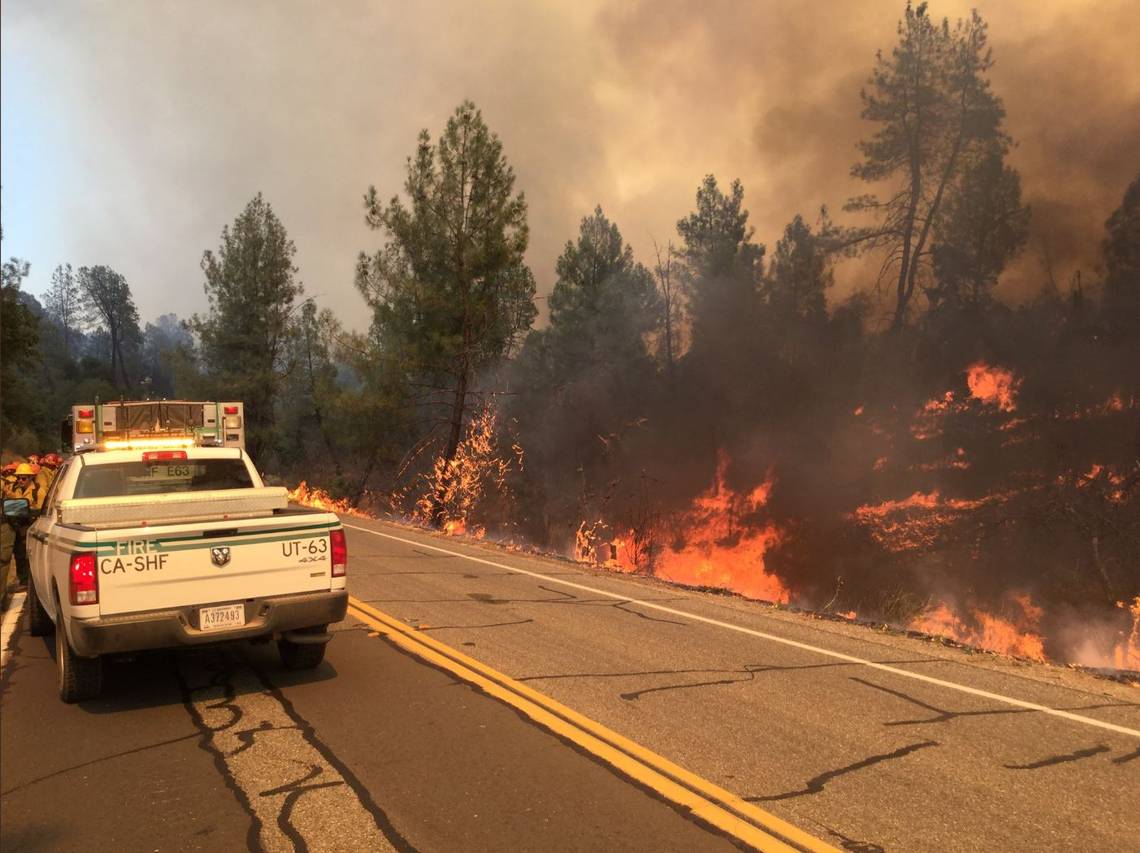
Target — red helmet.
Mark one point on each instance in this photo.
(10, 468)
(51, 460)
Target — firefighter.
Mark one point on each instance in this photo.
(27, 488)
(8, 473)
(7, 525)
(49, 464)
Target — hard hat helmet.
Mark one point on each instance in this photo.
(51, 460)
(10, 468)
(25, 469)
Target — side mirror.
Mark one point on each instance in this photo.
(17, 508)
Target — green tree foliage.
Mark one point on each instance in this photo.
(722, 270)
(166, 343)
(19, 335)
(252, 289)
(1121, 250)
(667, 279)
(311, 391)
(63, 304)
(799, 275)
(724, 267)
(603, 306)
(109, 306)
(983, 226)
(450, 291)
(795, 288)
(934, 111)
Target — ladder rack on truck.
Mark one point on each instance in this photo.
(138, 423)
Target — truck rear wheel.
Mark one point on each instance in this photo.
(302, 655)
(79, 678)
(39, 623)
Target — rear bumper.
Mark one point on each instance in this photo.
(160, 629)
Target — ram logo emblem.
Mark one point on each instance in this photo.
(220, 556)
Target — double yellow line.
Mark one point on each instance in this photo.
(708, 802)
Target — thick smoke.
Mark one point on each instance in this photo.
(152, 130)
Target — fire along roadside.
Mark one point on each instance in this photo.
(740, 629)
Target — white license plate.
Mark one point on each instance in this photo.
(221, 618)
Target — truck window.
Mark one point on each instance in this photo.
(122, 479)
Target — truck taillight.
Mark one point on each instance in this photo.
(230, 410)
(83, 579)
(339, 553)
(86, 413)
(164, 455)
(85, 427)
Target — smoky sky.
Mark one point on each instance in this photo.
(133, 131)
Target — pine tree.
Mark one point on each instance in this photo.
(932, 103)
(109, 306)
(252, 290)
(450, 291)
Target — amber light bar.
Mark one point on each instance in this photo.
(146, 443)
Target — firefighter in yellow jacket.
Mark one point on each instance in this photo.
(49, 465)
(25, 487)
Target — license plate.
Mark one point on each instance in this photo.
(221, 618)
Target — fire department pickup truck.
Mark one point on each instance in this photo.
(155, 542)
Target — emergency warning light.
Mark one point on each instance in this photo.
(153, 425)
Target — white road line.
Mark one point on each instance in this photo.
(8, 627)
(882, 667)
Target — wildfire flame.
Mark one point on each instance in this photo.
(992, 385)
(1018, 635)
(916, 522)
(457, 486)
(1126, 655)
(713, 548)
(625, 552)
(320, 499)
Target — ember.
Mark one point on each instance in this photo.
(452, 490)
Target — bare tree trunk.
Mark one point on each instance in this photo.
(454, 434)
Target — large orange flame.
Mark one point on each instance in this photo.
(712, 548)
(1016, 635)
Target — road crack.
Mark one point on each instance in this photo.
(816, 784)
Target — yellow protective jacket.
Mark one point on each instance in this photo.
(31, 492)
(44, 479)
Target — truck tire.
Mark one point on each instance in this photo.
(79, 678)
(301, 655)
(39, 623)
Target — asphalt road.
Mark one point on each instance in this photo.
(865, 740)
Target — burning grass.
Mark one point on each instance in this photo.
(1016, 632)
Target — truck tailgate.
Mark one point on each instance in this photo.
(178, 565)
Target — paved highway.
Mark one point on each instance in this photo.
(481, 700)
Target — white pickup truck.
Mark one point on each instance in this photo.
(144, 549)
